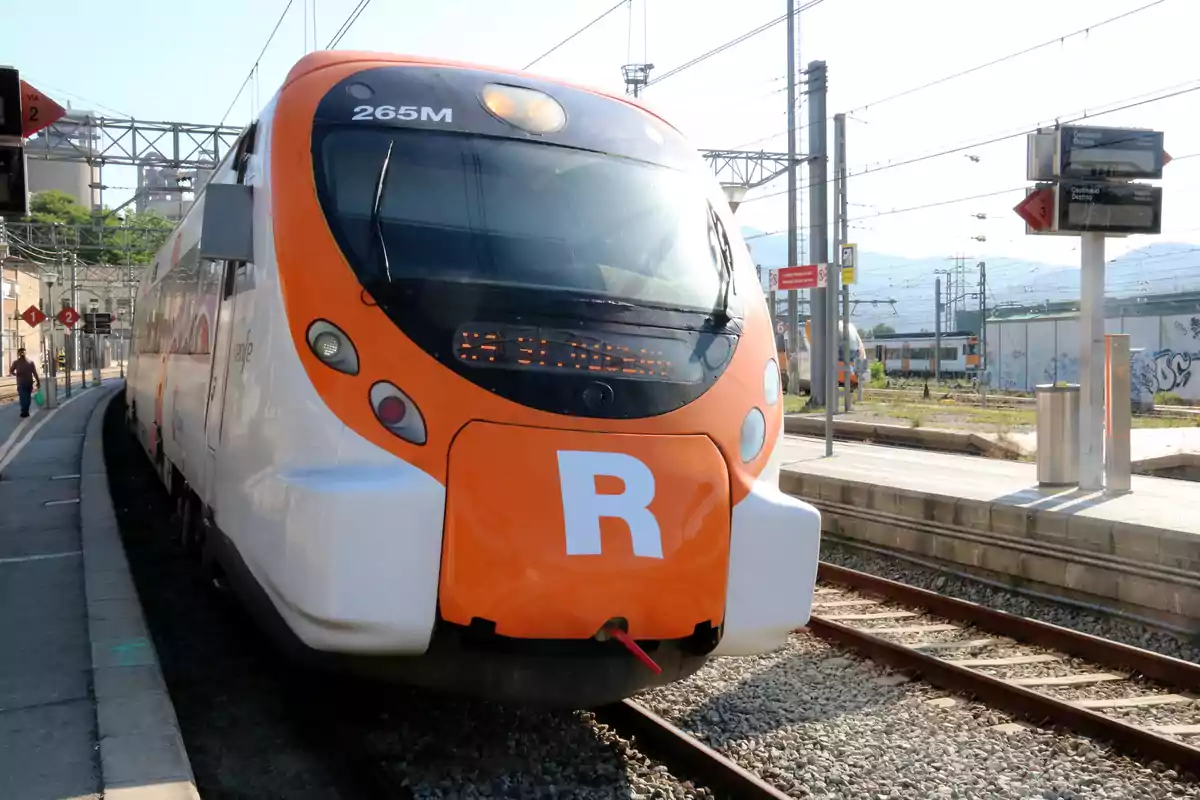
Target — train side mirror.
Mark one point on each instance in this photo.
(227, 224)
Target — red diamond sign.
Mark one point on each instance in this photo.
(68, 316)
(33, 316)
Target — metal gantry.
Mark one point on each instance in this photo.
(183, 145)
(105, 140)
(99, 141)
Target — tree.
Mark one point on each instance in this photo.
(101, 237)
(55, 206)
(146, 231)
(882, 330)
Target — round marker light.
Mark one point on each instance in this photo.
(527, 109)
(754, 433)
(397, 412)
(391, 410)
(771, 382)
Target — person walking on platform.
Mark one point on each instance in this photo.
(27, 376)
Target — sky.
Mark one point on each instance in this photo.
(185, 61)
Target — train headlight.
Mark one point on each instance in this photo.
(327, 344)
(397, 412)
(771, 382)
(754, 433)
(527, 109)
(332, 347)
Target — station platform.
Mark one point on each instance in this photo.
(1138, 552)
(84, 711)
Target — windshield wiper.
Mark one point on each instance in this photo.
(721, 314)
(376, 218)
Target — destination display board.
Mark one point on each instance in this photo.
(1109, 153)
(1116, 208)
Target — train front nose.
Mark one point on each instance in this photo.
(552, 534)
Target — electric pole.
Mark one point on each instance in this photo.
(818, 198)
(983, 360)
(843, 239)
(937, 329)
(793, 305)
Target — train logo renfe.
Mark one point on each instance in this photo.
(583, 506)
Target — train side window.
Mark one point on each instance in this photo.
(245, 148)
(231, 268)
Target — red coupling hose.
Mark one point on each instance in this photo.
(624, 638)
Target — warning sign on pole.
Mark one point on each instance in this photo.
(849, 263)
(806, 276)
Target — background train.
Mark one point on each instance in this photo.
(463, 378)
(907, 355)
(801, 353)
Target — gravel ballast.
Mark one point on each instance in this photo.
(819, 722)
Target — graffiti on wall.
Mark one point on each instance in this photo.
(1062, 367)
(1166, 354)
(1173, 369)
(1192, 328)
(1012, 370)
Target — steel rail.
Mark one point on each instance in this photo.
(998, 693)
(1172, 671)
(686, 757)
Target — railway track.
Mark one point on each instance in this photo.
(995, 401)
(1135, 699)
(961, 396)
(684, 754)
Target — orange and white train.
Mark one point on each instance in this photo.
(462, 377)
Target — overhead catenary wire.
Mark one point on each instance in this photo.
(254, 68)
(347, 24)
(577, 32)
(1195, 86)
(731, 43)
(939, 203)
(1048, 43)
(979, 67)
(1084, 31)
(87, 100)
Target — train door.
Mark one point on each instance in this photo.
(214, 413)
(222, 346)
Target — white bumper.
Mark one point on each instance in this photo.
(361, 557)
(775, 544)
(353, 558)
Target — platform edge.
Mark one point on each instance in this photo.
(142, 753)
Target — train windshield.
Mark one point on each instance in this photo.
(431, 206)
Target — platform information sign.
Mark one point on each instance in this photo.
(1114, 153)
(1110, 208)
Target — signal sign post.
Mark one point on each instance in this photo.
(848, 261)
(1084, 189)
(23, 112)
(67, 317)
(96, 323)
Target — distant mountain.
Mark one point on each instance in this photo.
(1158, 268)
